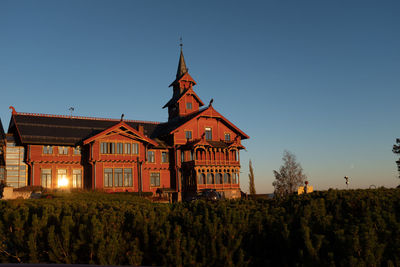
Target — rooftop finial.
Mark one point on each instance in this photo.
(182, 65)
(180, 43)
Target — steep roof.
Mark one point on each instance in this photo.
(66, 130)
(2, 134)
(181, 66)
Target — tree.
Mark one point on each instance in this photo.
(396, 150)
(252, 186)
(289, 177)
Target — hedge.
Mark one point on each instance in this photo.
(330, 228)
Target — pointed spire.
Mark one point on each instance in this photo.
(182, 65)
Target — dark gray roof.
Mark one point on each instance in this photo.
(65, 130)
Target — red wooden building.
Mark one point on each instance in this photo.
(197, 148)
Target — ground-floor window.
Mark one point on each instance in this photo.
(46, 178)
(77, 178)
(227, 178)
(210, 178)
(118, 177)
(62, 178)
(155, 179)
(202, 178)
(218, 178)
(128, 181)
(108, 177)
(234, 178)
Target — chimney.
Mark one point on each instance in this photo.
(141, 129)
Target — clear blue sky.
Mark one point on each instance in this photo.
(318, 78)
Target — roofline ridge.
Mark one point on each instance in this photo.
(81, 117)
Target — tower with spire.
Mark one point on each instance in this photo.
(184, 100)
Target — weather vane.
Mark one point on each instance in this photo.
(347, 181)
(71, 109)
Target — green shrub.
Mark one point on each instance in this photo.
(345, 228)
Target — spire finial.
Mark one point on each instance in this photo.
(180, 43)
(182, 65)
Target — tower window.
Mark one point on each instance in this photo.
(227, 137)
(208, 133)
(189, 105)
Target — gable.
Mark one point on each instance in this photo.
(210, 112)
(120, 129)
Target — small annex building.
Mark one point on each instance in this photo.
(197, 148)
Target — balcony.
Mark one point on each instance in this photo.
(212, 163)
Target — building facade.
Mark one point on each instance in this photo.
(197, 148)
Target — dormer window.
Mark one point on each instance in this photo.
(189, 105)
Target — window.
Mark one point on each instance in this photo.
(164, 157)
(47, 150)
(77, 178)
(128, 181)
(63, 150)
(108, 177)
(218, 178)
(208, 133)
(77, 150)
(201, 178)
(120, 148)
(182, 156)
(62, 178)
(118, 177)
(127, 148)
(227, 178)
(135, 148)
(189, 105)
(210, 178)
(227, 137)
(188, 135)
(155, 179)
(107, 148)
(190, 155)
(150, 156)
(2, 173)
(234, 178)
(46, 178)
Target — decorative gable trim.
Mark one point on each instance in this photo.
(210, 112)
(123, 129)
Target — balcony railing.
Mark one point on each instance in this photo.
(214, 162)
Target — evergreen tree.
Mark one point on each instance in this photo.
(252, 186)
(289, 177)
(396, 150)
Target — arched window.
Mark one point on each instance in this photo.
(234, 178)
(201, 178)
(218, 178)
(210, 178)
(227, 178)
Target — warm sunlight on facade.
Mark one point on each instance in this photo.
(63, 182)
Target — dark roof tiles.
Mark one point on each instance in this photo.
(48, 129)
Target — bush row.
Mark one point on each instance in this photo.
(332, 228)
